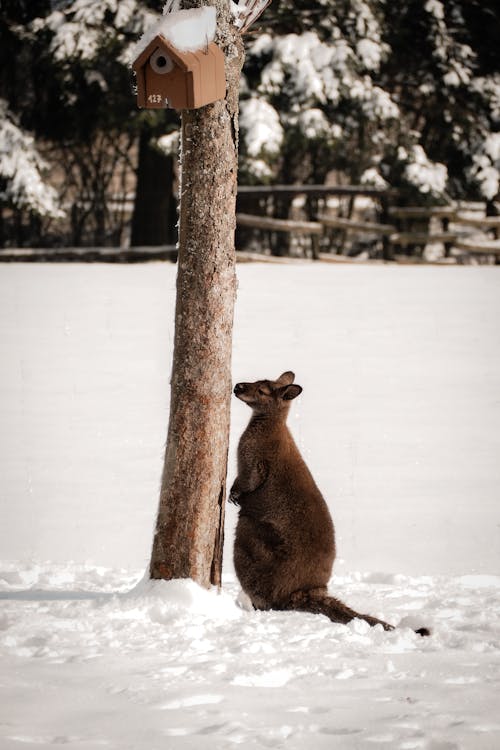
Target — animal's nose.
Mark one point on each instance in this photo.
(238, 388)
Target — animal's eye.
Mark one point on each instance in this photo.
(263, 392)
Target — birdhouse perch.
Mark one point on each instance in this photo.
(179, 66)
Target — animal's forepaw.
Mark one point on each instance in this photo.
(234, 496)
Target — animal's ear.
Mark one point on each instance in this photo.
(287, 378)
(288, 392)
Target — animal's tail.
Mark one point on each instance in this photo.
(319, 602)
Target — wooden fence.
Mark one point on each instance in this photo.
(392, 230)
(269, 220)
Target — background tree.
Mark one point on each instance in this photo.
(25, 194)
(72, 67)
(154, 217)
(449, 92)
(404, 94)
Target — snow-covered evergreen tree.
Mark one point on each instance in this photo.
(22, 183)
(70, 62)
(405, 94)
(445, 72)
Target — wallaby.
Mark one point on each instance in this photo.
(285, 541)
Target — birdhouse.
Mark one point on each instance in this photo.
(170, 77)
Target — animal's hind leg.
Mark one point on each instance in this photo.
(258, 551)
(318, 601)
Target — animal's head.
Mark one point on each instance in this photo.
(269, 396)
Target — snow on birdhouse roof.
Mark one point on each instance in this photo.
(187, 30)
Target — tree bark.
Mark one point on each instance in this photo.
(189, 531)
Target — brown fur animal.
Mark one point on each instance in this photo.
(285, 542)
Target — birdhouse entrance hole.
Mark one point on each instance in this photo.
(160, 63)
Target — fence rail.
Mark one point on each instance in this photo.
(88, 254)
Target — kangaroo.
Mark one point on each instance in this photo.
(285, 540)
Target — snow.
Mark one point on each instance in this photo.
(238, 11)
(169, 143)
(306, 64)
(314, 124)
(370, 53)
(486, 166)
(262, 133)
(372, 176)
(261, 127)
(82, 27)
(376, 103)
(428, 176)
(312, 72)
(436, 8)
(188, 30)
(399, 421)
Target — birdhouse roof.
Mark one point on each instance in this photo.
(188, 30)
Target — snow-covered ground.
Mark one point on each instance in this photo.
(400, 424)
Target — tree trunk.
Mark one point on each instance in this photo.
(189, 531)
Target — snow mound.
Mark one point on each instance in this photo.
(183, 596)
